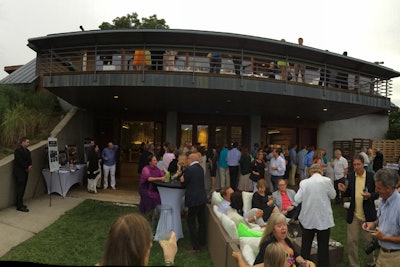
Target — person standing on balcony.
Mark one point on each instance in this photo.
(215, 62)
(283, 66)
(22, 167)
(300, 67)
(342, 78)
(233, 159)
(109, 164)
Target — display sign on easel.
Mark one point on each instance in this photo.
(54, 164)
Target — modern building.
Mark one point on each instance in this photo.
(138, 86)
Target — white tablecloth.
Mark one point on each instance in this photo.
(61, 181)
(173, 198)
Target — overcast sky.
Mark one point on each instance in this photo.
(366, 29)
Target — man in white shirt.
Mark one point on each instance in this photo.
(277, 167)
(340, 169)
(233, 158)
(225, 204)
(363, 153)
(316, 217)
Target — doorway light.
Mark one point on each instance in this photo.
(274, 131)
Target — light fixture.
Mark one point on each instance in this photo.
(116, 96)
(324, 109)
(274, 131)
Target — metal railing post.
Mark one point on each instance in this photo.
(51, 64)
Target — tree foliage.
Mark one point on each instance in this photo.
(131, 21)
(394, 125)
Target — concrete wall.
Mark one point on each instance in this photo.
(372, 127)
(72, 129)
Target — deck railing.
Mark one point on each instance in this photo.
(235, 63)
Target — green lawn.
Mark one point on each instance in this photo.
(78, 238)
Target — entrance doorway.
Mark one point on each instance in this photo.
(134, 134)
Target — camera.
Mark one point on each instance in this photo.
(373, 245)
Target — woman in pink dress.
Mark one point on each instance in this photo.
(149, 196)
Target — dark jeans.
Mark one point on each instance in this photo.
(294, 213)
(237, 62)
(215, 65)
(233, 174)
(20, 185)
(323, 245)
(197, 234)
(274, 180)
(338, 198)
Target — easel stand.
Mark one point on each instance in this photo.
(51, 185)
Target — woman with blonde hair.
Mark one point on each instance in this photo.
(275, 233)
(130, 240)
(275, 255)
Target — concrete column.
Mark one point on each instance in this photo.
(170, 127)
(255, 129)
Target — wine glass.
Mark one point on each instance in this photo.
(295, 233)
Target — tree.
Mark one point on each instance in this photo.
(131, 21)
(394, 125)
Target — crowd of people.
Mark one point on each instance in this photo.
(267, 175)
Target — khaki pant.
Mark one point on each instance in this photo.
(292, 174)
(224, 177)
(386, 259)
(354, 230)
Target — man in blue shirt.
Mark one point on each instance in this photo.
(300, 161)
(388, 224)
(109, 162)
(233, 158)
(308, 159)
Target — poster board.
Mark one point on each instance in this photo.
(54, 164)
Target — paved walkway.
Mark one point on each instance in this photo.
(17, 227)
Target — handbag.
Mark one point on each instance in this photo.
(254, 177)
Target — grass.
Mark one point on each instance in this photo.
(78, 239)
(79, 236)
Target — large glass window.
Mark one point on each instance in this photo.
(186, 133)
(220, 136)
(134, 133)
(202, 135)
(236, 134)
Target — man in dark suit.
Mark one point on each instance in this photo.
(195, 200)
(22, 166)
(361, 189)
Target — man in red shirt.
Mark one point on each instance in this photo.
(284, 200)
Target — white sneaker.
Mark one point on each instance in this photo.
(113, 187)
